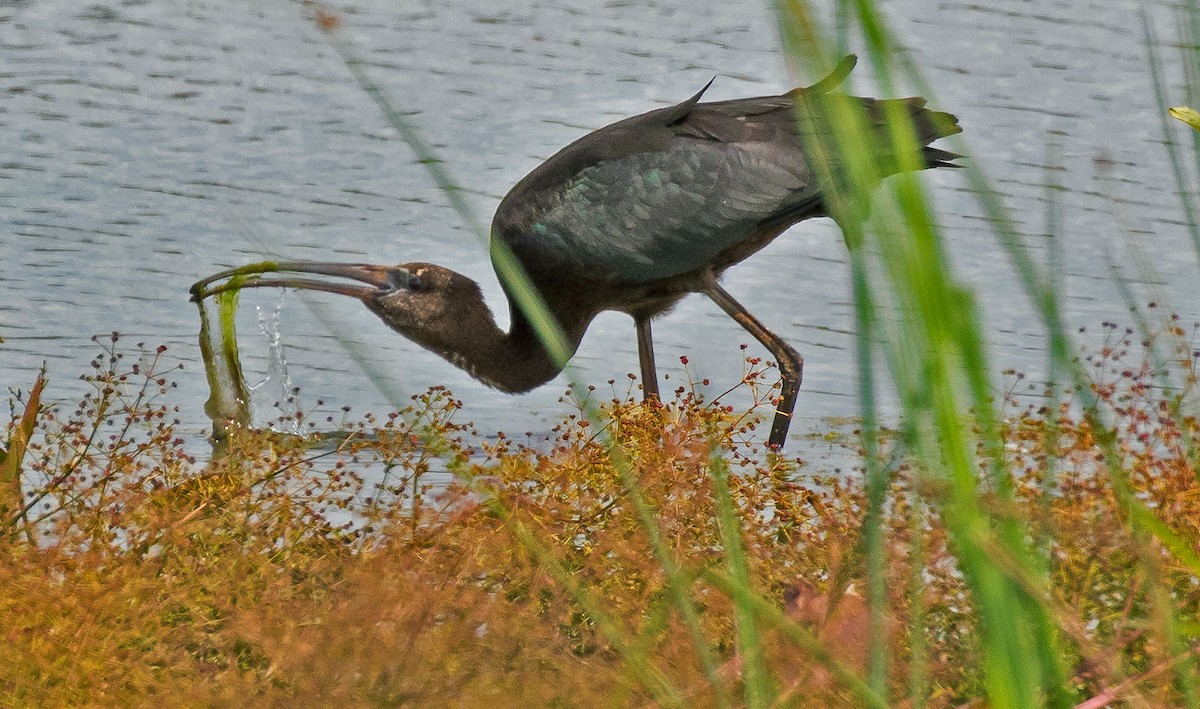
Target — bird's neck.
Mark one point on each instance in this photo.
(514, 361)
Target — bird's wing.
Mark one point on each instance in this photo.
(661, 194)
(653, 215)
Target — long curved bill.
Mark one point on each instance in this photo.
(378, 279)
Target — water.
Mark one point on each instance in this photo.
(147, 144)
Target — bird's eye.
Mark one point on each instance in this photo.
(401, 279)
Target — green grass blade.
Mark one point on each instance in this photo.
(772, 616)
(1160, 89)
(12, 457)
(512, 275)
(639, 664)
(877, 478)
(1187, 114)
(678, 584)
(760, 688)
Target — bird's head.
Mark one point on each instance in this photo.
(422, 301)
(425, 302)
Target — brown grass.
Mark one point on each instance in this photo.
(277, 576)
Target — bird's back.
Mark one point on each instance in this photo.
(668, 192)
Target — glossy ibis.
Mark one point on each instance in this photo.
(631, 217)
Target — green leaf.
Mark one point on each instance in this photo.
(14, 453)
(1186, 114)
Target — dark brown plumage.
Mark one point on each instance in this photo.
(631, 217)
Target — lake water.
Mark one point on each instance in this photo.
(148, 144)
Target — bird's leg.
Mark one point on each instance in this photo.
(646, 358)
(791, 364)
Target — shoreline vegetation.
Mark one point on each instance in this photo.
(276, 572)
(986, 552)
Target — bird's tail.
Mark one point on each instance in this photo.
(874, 116)
(928, 126)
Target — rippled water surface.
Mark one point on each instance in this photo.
(147, 144)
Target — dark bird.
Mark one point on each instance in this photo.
(632, 217)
